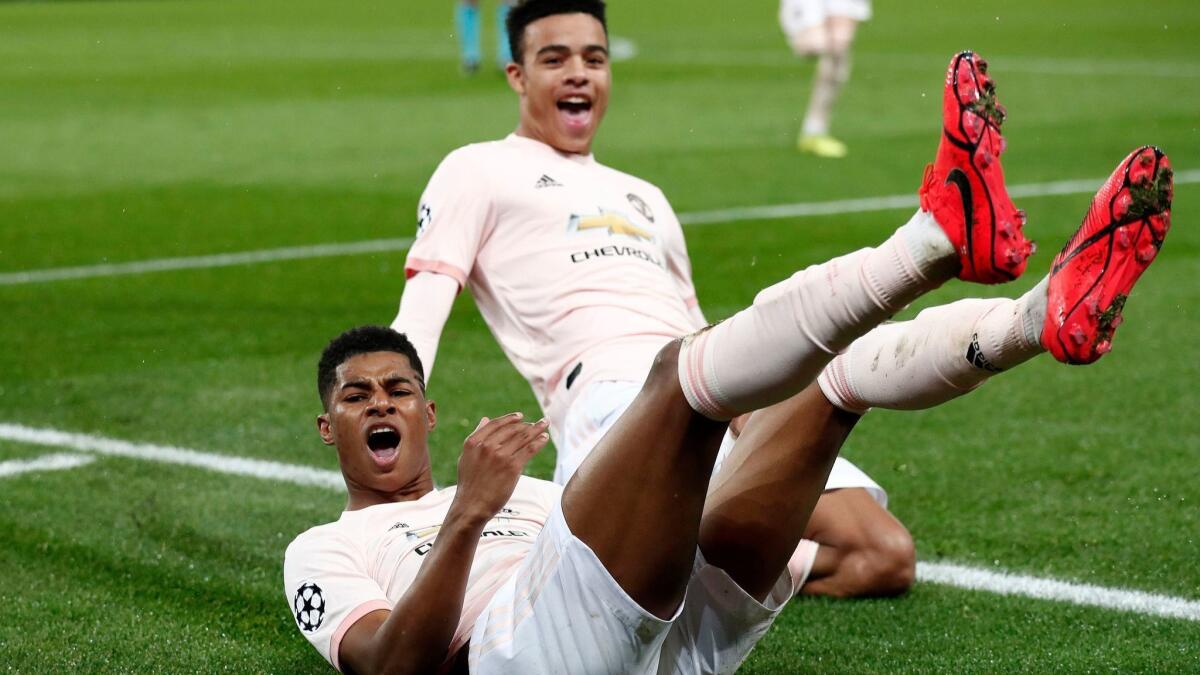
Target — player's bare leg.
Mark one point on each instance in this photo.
(637, 499)
(762, 496)
(852, 544)
(864, 551)
(644, 530)
(766, 490)
(985, 230)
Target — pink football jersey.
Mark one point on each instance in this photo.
(334, 574)
(580, 271)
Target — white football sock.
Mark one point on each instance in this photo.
(776, 347)
(942, 354)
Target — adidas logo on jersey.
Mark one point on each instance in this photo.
(546, 181)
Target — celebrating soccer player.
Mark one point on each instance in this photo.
(582, 274)
(648, 561)
(639, 565)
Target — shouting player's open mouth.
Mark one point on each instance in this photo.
(575, 111)
(384, 442)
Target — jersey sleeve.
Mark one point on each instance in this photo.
(678, 262)
(328, 589)
(453, 218)
(425, 305)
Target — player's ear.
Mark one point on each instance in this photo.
(516, 77)
(430, 415)
(325, 428)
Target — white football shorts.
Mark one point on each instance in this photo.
(600, 404)
(562, 612)
(797, 16)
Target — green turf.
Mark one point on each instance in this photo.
(139, 130)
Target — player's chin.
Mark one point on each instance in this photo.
(575, 138)
(384, 479)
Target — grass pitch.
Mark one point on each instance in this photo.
(135, 131)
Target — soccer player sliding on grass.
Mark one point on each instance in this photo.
(639, 565)
(582, 274)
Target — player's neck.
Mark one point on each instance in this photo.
(362, 496)
(524, 131)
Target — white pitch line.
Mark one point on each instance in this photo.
(799, 210)
(205, 261)
(908, 201)
(59, 462)
(925, 62)
(168, 454)
(948, 574)
(1004, 583)
(739, 214)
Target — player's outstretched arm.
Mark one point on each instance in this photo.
(416, 634)
(424, 307)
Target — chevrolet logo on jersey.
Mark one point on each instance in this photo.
(422, 532)
(612, 221)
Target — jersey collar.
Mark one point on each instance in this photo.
(532, 145)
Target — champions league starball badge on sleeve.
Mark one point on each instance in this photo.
(309, 606)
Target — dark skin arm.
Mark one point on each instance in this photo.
(415, 635)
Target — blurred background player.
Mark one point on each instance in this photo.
(823, 29)
(466, 21)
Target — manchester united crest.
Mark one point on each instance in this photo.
(641, 206)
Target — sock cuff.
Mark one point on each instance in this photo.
(698, 380)
(914, 257)
(927, 248)
(1033, 313)
(888, 287)
(834, 382)
(1001, 338)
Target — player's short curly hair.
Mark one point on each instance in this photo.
(528, 11)
(362, 340)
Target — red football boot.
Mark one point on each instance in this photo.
(964, 188)
(1119, 238)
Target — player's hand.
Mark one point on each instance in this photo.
(493, 457)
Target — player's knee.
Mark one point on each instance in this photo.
(888, 565)
(664, 372)
(809, 42)
(841, 32)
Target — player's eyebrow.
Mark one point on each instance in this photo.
(356, 384)
(398, 379)
(388, 381)
(567, 50)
